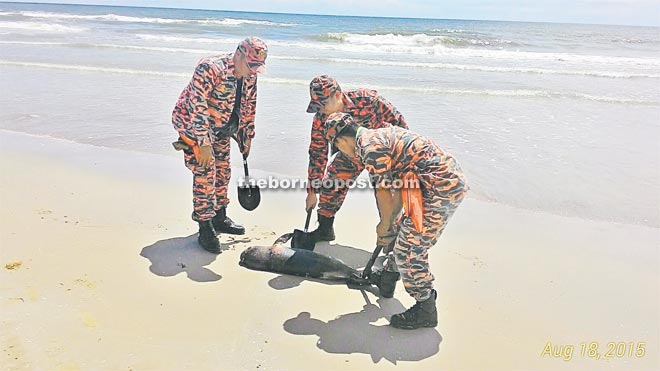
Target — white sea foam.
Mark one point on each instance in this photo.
(35, 43)
(121, 18)
(239, 22)
(436, 45)
(354, 61)
(41, 27)
(124, 71)
(387, 39)
(184, 39)
(513, 93)
(472, 67)
(408, 45)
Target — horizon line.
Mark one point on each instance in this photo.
(327, 15)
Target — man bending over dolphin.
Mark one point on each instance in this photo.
(391, 154)
(368, 109)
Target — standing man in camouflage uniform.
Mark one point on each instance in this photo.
(218, 104)
(368, 109)
(391, 154)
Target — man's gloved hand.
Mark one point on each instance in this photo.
(311, 201)
(386, 242)
(385, 236)
(383, 228)
(246, 147)
(397, 220)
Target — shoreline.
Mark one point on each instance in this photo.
(263, 175)
(112, 278)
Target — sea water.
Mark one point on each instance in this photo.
(561, 118)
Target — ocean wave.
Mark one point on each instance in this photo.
(153, 48)
(635, 41)
(36, 43)
(184, 39)
(448, 30)
(371, 62)
(419, 39)
(423, 45)
(238, 22)
(389, 39)
(41, 27)
(512, 93)
(122, 18)
(399, 48)
(124, 71)
(553, 57)
(471, 67)
(102, 17)
(522, 93)
(112, 46)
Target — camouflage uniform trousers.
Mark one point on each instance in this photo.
(210, 183)
(331, 198)
(410, 252)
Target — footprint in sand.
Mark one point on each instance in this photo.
(476, 262)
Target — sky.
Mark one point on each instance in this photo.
(621, 12)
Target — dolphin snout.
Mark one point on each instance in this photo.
(241, 262)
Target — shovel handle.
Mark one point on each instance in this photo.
(309, 216)
(245, 167)
(367, 269)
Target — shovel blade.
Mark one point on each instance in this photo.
(249, 197)
(303, 240)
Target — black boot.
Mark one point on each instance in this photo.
(223, 224)
(207, 238)
(422, 314)
(325, 231)
(386, 282)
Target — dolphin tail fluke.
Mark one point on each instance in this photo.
(281, 240)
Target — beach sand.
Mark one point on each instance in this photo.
(111, 278)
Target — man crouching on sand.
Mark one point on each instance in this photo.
(218, 104)
(391, 154)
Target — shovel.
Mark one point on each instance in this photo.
(365, 278)
(304, 239)
(367, 268)
(249, 195)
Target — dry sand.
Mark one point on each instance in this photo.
(111, 278)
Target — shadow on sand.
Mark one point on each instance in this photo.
(181, 254)
(355, 333)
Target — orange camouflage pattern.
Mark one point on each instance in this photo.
(391, 153)
(202, 114)
(255, 52)
(320, 90)
(369, 110)
(210, 182)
